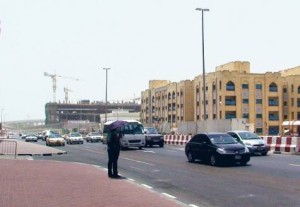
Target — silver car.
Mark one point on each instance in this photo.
(252, 141)
(31, 138)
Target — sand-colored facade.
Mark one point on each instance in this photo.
(265, 100)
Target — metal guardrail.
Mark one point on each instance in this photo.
(8, 147)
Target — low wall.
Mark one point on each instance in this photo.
(277, 144)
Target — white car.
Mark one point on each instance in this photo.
(31, 138)
(74, 137)
(251, 140)
(94, 137)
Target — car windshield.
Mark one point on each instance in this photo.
(248, 135)
(75, 135)
(151, 130)
(55, 136)
(222, 139)
(95, 133)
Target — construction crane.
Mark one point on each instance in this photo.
(66, 90)
(54, 77)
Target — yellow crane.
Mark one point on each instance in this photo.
(54, 77)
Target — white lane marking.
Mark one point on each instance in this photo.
(147, 186)
(155, 171)
(192, 205)
(95, 151)
(137, 168)
(149, 151)
(246, 196)
(146, 163)
(180, 149)
(168, 195)
(294, 165)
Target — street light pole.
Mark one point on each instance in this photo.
(203, 61)
(106, 69)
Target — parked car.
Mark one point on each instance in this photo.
(216, 149)
(251, 140)
(74, 137)
(153, 137)
(31, 138)
(23, 135)
(55, 140)
(94, 137)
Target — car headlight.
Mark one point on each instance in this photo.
(221, 151)
(248, 144)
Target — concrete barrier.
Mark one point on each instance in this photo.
(277, 144)
(176, 139)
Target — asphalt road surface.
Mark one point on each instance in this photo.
(272, 180)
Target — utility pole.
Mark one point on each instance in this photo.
(203, 62)
(106, 106)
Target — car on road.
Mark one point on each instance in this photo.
(39, 135)
(31, 138)
(55, 140)
(12, 135)
(74, 137)
(23, 135)
(216, 149)
(153, 137)
(94, 137)
(251, 140)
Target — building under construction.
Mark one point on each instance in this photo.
(84, 111)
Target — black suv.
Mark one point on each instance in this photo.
(153, 137)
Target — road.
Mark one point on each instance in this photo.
(272, 180)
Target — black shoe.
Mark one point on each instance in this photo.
(110, 175)
(116, 176)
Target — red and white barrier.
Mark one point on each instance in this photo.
(176, 139)
(283, 144)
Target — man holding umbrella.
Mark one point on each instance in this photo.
(113, 147)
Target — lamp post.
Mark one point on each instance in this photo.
(1, 125)
(106, 69)
(203, 62)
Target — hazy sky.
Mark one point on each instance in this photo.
(140, 40)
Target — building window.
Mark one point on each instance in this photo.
(230, 101)
(292, 88)
(230, 86)
(273, 130)
(246, 116)
(245, 101)
(258, 131)
(299, 89)
(259, 116)
(220, 85)
(284, 90)
(273, 101)
(273, 116)
(273, 87)
(230, 115)
(258, 101)
(245, 86)
(298, 102)
(258, 86)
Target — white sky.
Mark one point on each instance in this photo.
(140, 40)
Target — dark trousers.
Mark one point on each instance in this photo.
(113, 156)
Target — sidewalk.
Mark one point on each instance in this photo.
(30, 183)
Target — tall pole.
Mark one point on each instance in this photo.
(203, 62)
(106, 69)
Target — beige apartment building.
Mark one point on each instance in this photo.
(264, 100)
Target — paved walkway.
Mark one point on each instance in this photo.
(30, 183)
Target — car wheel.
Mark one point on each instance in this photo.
(243, 163)
(161, 144)
(190, 157)
(264, 154)
(140, 148)
(213, 160)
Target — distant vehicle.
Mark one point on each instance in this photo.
(94, 137)
(39, 135)
(74, 137)
(46, 133)
(12, 135)
(55, 140)
(251, 140)
(153, 137)
(216, 149)
(31, 138)
(133, 134)
(23, 135)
